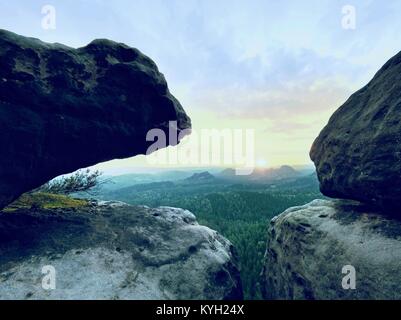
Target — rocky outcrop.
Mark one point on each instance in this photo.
(62, 109)
(111, 250)
(308, 247)
(358, 154)
(358, 157)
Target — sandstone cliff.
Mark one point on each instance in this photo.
(114, 251)
(309, 246)
(313, 250)
(358, 154)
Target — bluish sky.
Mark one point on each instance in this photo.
(281, 67)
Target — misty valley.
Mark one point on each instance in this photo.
(239, 207)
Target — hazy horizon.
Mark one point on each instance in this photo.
(118, 170)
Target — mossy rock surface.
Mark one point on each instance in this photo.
(45, 200)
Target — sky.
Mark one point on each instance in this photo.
(280, 68)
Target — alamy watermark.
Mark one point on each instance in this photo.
(348, 21)
(207, 147)
(349, 280)
(49, 17)
(49, 279)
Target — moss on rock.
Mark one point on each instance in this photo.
(45, 200)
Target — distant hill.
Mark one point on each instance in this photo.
(132, 179)
(198, 176)
(262, 175)
(132, 187)
(201, 177)
(305, 182)
(284, 172)
(227, 173)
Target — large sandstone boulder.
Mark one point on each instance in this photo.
(62, 109)
(358, 153)
(114, 251)
(308, 246)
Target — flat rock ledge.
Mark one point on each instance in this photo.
(308, 246)
(111, 250)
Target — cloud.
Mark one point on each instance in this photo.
(281, 84)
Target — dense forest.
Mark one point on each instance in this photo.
(239, 211)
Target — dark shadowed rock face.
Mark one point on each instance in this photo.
(62, 108)
(358, 153)
(115, 251)
(308, 246)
